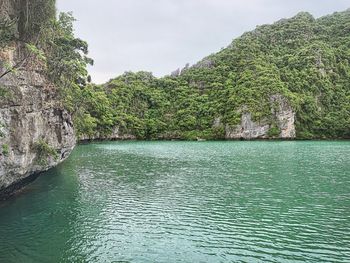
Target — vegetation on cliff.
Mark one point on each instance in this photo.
(47, 39)
(305, 60)
(42, 74)
(45, 42)
(42, 66)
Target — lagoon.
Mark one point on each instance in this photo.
(259, 201)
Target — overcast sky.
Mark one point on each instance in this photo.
(163, 35)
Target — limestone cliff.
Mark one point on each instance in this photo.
(283, 123)
(115, 135)
(32, 122)
(36, 133)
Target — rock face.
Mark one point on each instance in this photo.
(248, 129)
(284, 115)
(116, 135)
(283, 119)
(32, 121)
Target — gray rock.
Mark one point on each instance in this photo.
(115, 135)
(281, 113)
(248, 129)
(30, 113)
(284, 116)
(204, 63)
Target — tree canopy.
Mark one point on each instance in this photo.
(304, 59)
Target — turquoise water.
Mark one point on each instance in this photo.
(185, 202)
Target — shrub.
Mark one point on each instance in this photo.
(44, 151)
(5, 149)
(274, 131)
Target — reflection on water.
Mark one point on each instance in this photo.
(186, 202)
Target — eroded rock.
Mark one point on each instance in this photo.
(30, 113)
(282, 119)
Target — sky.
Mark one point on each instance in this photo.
(161, 36)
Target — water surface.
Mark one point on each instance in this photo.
(185, 202)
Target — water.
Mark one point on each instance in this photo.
(185, 202)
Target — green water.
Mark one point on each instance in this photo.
(185, 202)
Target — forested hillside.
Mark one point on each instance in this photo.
(302, 61)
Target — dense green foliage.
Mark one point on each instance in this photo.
(304, 59)
(49, 41)
(66, 60)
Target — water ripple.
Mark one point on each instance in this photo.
(186, 202)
